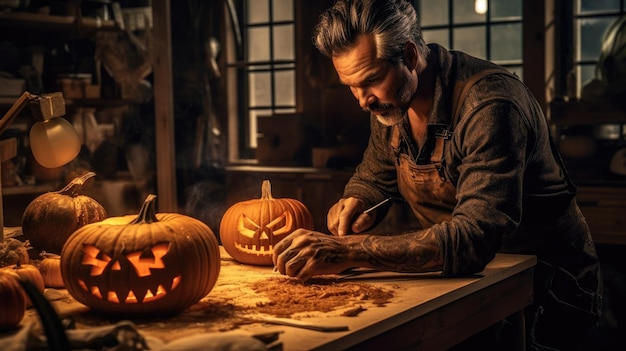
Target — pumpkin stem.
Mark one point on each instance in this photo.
(45, 254)
(266, 190)
(147, 213)
(73, 188)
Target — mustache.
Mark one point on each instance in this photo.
(378, 107)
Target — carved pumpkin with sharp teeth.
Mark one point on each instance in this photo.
(250, 229)
(146, 264)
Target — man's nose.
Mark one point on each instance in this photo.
(364, 96)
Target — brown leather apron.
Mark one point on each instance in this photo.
(430, 195)
(425, 188)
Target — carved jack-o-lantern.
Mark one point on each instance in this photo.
(138, 265)
(250, 229)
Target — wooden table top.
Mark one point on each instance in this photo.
(233, 302)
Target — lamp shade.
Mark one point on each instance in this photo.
(54, 142)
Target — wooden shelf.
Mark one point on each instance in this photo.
(30, 21)
(29, 189)
(41, 29)
(580, 112)
(6, 102)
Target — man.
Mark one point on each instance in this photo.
(477, 168)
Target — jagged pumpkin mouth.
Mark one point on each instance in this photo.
(132, 296)
(259, 250)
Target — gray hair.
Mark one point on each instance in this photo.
(392, 23)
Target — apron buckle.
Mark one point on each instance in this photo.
(443, 132)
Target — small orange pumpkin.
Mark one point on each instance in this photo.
(27, 272)
(146, 264)
(250, 229)
(50, 268)
(52, 217)
(12, 301)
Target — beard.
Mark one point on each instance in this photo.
(389, 114)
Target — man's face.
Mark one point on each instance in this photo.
(379, 86)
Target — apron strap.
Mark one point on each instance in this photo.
(462, 88)
(395, 141)
(437, 154)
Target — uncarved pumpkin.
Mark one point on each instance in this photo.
(250, 229)
(146, 264)
(52, 217)
(12, 301)
(50, 268)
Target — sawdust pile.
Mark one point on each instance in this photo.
(229, 307)
(287, 296)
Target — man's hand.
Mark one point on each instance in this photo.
(305, 253)
(347, 216)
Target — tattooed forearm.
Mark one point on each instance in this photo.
(410, 252)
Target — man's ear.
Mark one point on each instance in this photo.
(410, 55)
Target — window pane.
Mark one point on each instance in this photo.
(285, 88)
(471, 40)
(591, 33)
(506, 41)
(252, 121)
(283, 10)
(260, 89)
(595, 6)
(432, 13)
(283, 42)
(518, 70)
(439, 36)
(258, 11)
(464, 12)
(258, 44)
(585, 74)
(506, 9)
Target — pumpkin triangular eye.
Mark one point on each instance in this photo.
(144, 260)
(97, 259)
(281, 225)
(247, 227)
(146, 254)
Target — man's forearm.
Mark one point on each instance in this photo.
(409, 252)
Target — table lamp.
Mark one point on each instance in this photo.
(53, 140)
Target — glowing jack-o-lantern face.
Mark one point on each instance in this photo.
(141, 265)
(142, 275)
(262, 237)
(250, 229)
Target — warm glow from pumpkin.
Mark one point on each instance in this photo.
(141, 265)
(262, 234)
(143, 262)
(97, 264)
(250, 229)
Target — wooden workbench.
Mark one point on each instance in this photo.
(424, 311)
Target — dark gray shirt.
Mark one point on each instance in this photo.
(513, 193)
